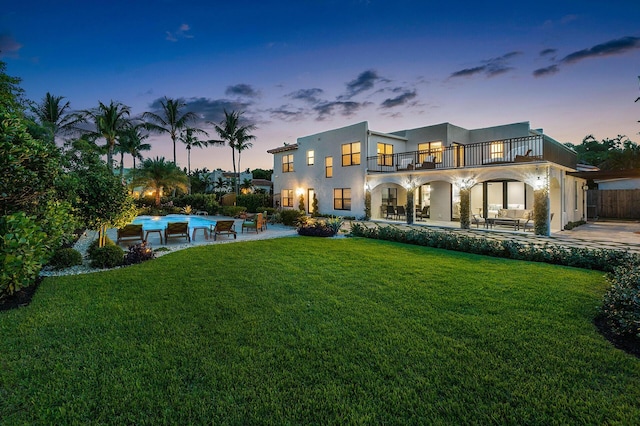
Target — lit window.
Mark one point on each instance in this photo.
(430, 151)
(351, 154)
(496, 150)
(310, 158)
(385, 154)
(287, 198)
(328, 167)
(342, 198)
(287, 163)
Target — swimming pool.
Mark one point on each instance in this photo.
(160, 222)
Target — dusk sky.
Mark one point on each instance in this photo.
(302, 67)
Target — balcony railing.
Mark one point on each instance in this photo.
(498, 152)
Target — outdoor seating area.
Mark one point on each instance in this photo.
(255, 223)
(223, 227)
(130, 233)
(177, 230)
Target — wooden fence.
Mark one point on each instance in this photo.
(613, 203)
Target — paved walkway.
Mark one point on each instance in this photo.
(599, 234)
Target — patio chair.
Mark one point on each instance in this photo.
(391, 211)
(477, 219)
(130, 232)
(256, 224)
(177, 229)
(223, 227)
(423, 214)
(400, 212)
(264, 221)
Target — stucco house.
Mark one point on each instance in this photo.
(354, 170)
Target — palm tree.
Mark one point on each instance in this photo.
(243, 143)
(110, 121)
(233, 134)
(188, 138)
(246, 185)
(52, 114)
(171, 120)
(157, 174)
(131, 142)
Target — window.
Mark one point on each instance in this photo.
(389, 196)
(328, 167)
(496, 150)
(287, 198)
(342, 198)
(351, 154)
(287, 163)
(310, 158)
(385, 154)
(430, 151)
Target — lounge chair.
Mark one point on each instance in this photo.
(130, 232)
(477, 219)
(223, 227)
(256, 223)
(177, 229)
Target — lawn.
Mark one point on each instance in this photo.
(316, 331)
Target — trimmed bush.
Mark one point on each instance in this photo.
(233, 211)
(598, 259)
(139, 253)
(108, 256)
(290, 217)
(621, 303)
(65, 258)
(319, 228)
(94, 245)
(255, 203)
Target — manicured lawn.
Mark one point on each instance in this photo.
(310, 330)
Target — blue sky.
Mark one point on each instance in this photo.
(301, 67)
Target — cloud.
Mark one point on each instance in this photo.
(541, 72)
(9, 47)
(401, 99)
(242, 90)
(311, 96)
(490, 67)
(285, 113)
(615, 47)
(181, 32)
(365, 81)
(610, 48)
(206, 109)
(547, 52)
(344, 108)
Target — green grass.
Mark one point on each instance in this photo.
(316, 331)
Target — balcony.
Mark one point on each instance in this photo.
(482, 154)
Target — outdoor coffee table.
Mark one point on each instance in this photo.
(205, 230)
(509, 221)
(149, 231)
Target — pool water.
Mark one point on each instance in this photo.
(160, 222)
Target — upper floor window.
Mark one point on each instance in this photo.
(287, 163)
(328, 167)
(385, 154)
(310, 158)
(430, 151)
(496, 150)
(351, 154)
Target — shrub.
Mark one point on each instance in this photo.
(95, 245)
(319, 228)
(206, 202)
(65, 258)
(138, 253)
(233, 211)
(23, 251)
(290, 217)
(569, 226)
(255, 203)
(621, 304)
(108, 256)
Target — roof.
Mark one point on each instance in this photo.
(607, 174)
(262, 182)
(285, 148)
